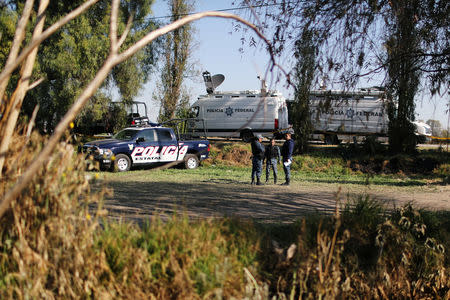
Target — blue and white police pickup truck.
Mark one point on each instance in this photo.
(146, 145)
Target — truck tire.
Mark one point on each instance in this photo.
(122, 163)
(247, 136)
(331, 139)
(191, 161)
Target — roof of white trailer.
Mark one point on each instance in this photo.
(243, 94)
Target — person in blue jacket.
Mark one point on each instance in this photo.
(257, 160)
(286, 151)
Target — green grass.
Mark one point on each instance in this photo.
(181, 175)
(343, 165)
(330, 173)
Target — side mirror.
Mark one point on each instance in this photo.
(140, 140)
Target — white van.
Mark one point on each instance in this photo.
(241, 114)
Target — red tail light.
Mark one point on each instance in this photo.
(209, 147)
(133, 122)
(276, 123)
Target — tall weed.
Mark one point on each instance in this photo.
(46, 238)
(179, 259)
(366, 252)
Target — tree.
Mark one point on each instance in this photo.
(176, 55)
(305, 53)
(404, 44)
(69, 59)
(403, 74)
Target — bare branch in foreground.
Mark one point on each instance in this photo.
(10, 118)
(36, 83)
(113, 26)
(19, 35)
(125, 32)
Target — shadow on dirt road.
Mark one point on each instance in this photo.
(271, 203)
(139, 200)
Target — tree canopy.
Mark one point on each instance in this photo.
(70, 58)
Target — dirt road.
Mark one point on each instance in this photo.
(136, 200)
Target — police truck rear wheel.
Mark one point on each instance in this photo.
(191, 161)
(122, 163)
(331, 139)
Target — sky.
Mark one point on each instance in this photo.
(217, 50)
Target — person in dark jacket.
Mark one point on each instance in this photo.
(257, 160)
(273, 157)
(286, 151)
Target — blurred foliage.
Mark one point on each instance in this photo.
(46, 238)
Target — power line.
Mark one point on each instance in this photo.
(220, 10)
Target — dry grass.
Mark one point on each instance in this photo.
(230, 154)
(47, 235)
(380, 256)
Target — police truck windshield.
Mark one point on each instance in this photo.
(126, 134)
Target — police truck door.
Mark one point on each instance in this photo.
(146, 149)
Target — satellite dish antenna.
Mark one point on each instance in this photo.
(211, 82)
(263, 86)
(217, 80)
(262, 79)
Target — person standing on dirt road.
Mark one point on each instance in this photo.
(257, 160)
(286, 151)
(272, 156)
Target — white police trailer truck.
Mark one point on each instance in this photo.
(239, 114)
(338, 115)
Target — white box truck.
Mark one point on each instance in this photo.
(343, 116)
(240, 114)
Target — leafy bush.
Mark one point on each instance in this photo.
(443, 171)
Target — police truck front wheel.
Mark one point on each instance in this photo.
(191, 161)
(122, 163)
